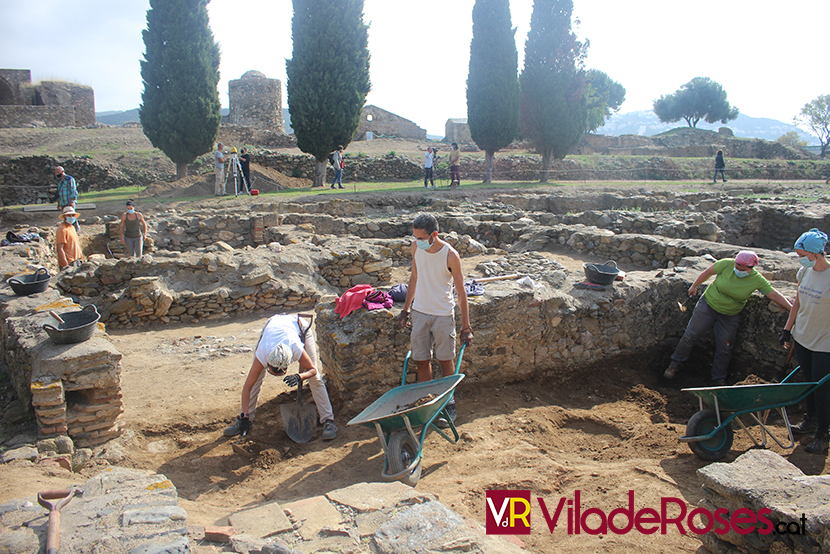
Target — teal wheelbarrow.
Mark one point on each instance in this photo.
(709, 432)
(404, 416)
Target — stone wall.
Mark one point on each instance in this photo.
(79, 97)
(758, 480)
(75, 389)
(685, 144)
(550, 332)
(388, 168)
(457, 130)
(16, 87)
(256, 101)
(37, 116)
(384, 123)
(31, 179)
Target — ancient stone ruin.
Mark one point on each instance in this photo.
(256, 101)
(380, 122)
(47, 104)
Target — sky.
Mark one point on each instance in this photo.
(769, 57)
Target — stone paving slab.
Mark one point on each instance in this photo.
(314, 514)
(370, 497)
(262, 521)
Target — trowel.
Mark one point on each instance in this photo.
(299, 420)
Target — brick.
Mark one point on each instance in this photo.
(219, 533)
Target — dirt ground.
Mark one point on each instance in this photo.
(605, 431)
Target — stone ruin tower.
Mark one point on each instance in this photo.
(256, 101)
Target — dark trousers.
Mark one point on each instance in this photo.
(428, 176)
(814, 366)
(722, 174)
(703, 319)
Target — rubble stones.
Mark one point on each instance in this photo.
(762, 479)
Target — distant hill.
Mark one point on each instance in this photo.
(646, 123)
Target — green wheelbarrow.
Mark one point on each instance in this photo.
(404, 416)
(709, 431)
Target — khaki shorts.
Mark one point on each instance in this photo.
(429, 329)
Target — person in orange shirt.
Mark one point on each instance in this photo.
(67, 245)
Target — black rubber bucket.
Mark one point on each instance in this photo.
(76, 327)
(601, 274)
(33, 283)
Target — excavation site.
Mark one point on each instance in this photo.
(581, 298)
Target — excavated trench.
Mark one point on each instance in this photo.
(602, 422)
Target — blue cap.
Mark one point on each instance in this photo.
(812, 241)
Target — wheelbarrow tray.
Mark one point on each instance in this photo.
(713, 437)
(389, 409)
(752, 397)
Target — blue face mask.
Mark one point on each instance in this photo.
(741, 274)
(422, 244)
(70, 220)
(805, 261)
(130, 211)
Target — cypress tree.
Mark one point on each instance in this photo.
(328, 76)
(492, 83)
(180, 109)
(554, 109)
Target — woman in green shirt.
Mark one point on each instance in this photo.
(720, 307)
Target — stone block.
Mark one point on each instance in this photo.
(370, 497)
(315, 514)
(219, 534)
(262, 521)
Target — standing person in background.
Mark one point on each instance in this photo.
(219, 169)
(67, 245)
(720, 308)
(132, 230)
(337, 162)
(429, 162)
(67, 193)
(436, 267)
(245, 163)
(808, 331)
(720, 165)
(455, 166)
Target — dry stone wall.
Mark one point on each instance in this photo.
(553, 331)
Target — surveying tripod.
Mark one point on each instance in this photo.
(238, 175)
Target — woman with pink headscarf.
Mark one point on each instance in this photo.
(720, 307)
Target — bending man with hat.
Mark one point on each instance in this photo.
(285, 339)
(808, 331)
(720, 307)
(67, 245)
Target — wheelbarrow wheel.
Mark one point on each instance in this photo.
(402, 452)
(703, 423)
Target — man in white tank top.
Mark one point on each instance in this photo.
(436, 267)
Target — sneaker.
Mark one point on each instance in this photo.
(341, 187)
(718, 382)
(819, 444)
(233, 430)
(806, 427)
(329, 430)
(671, 371)
(332, 186)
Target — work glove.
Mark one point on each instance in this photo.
(245, 424)
(403, 319)
(786, 338)
(292, 380)
(467, 337)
